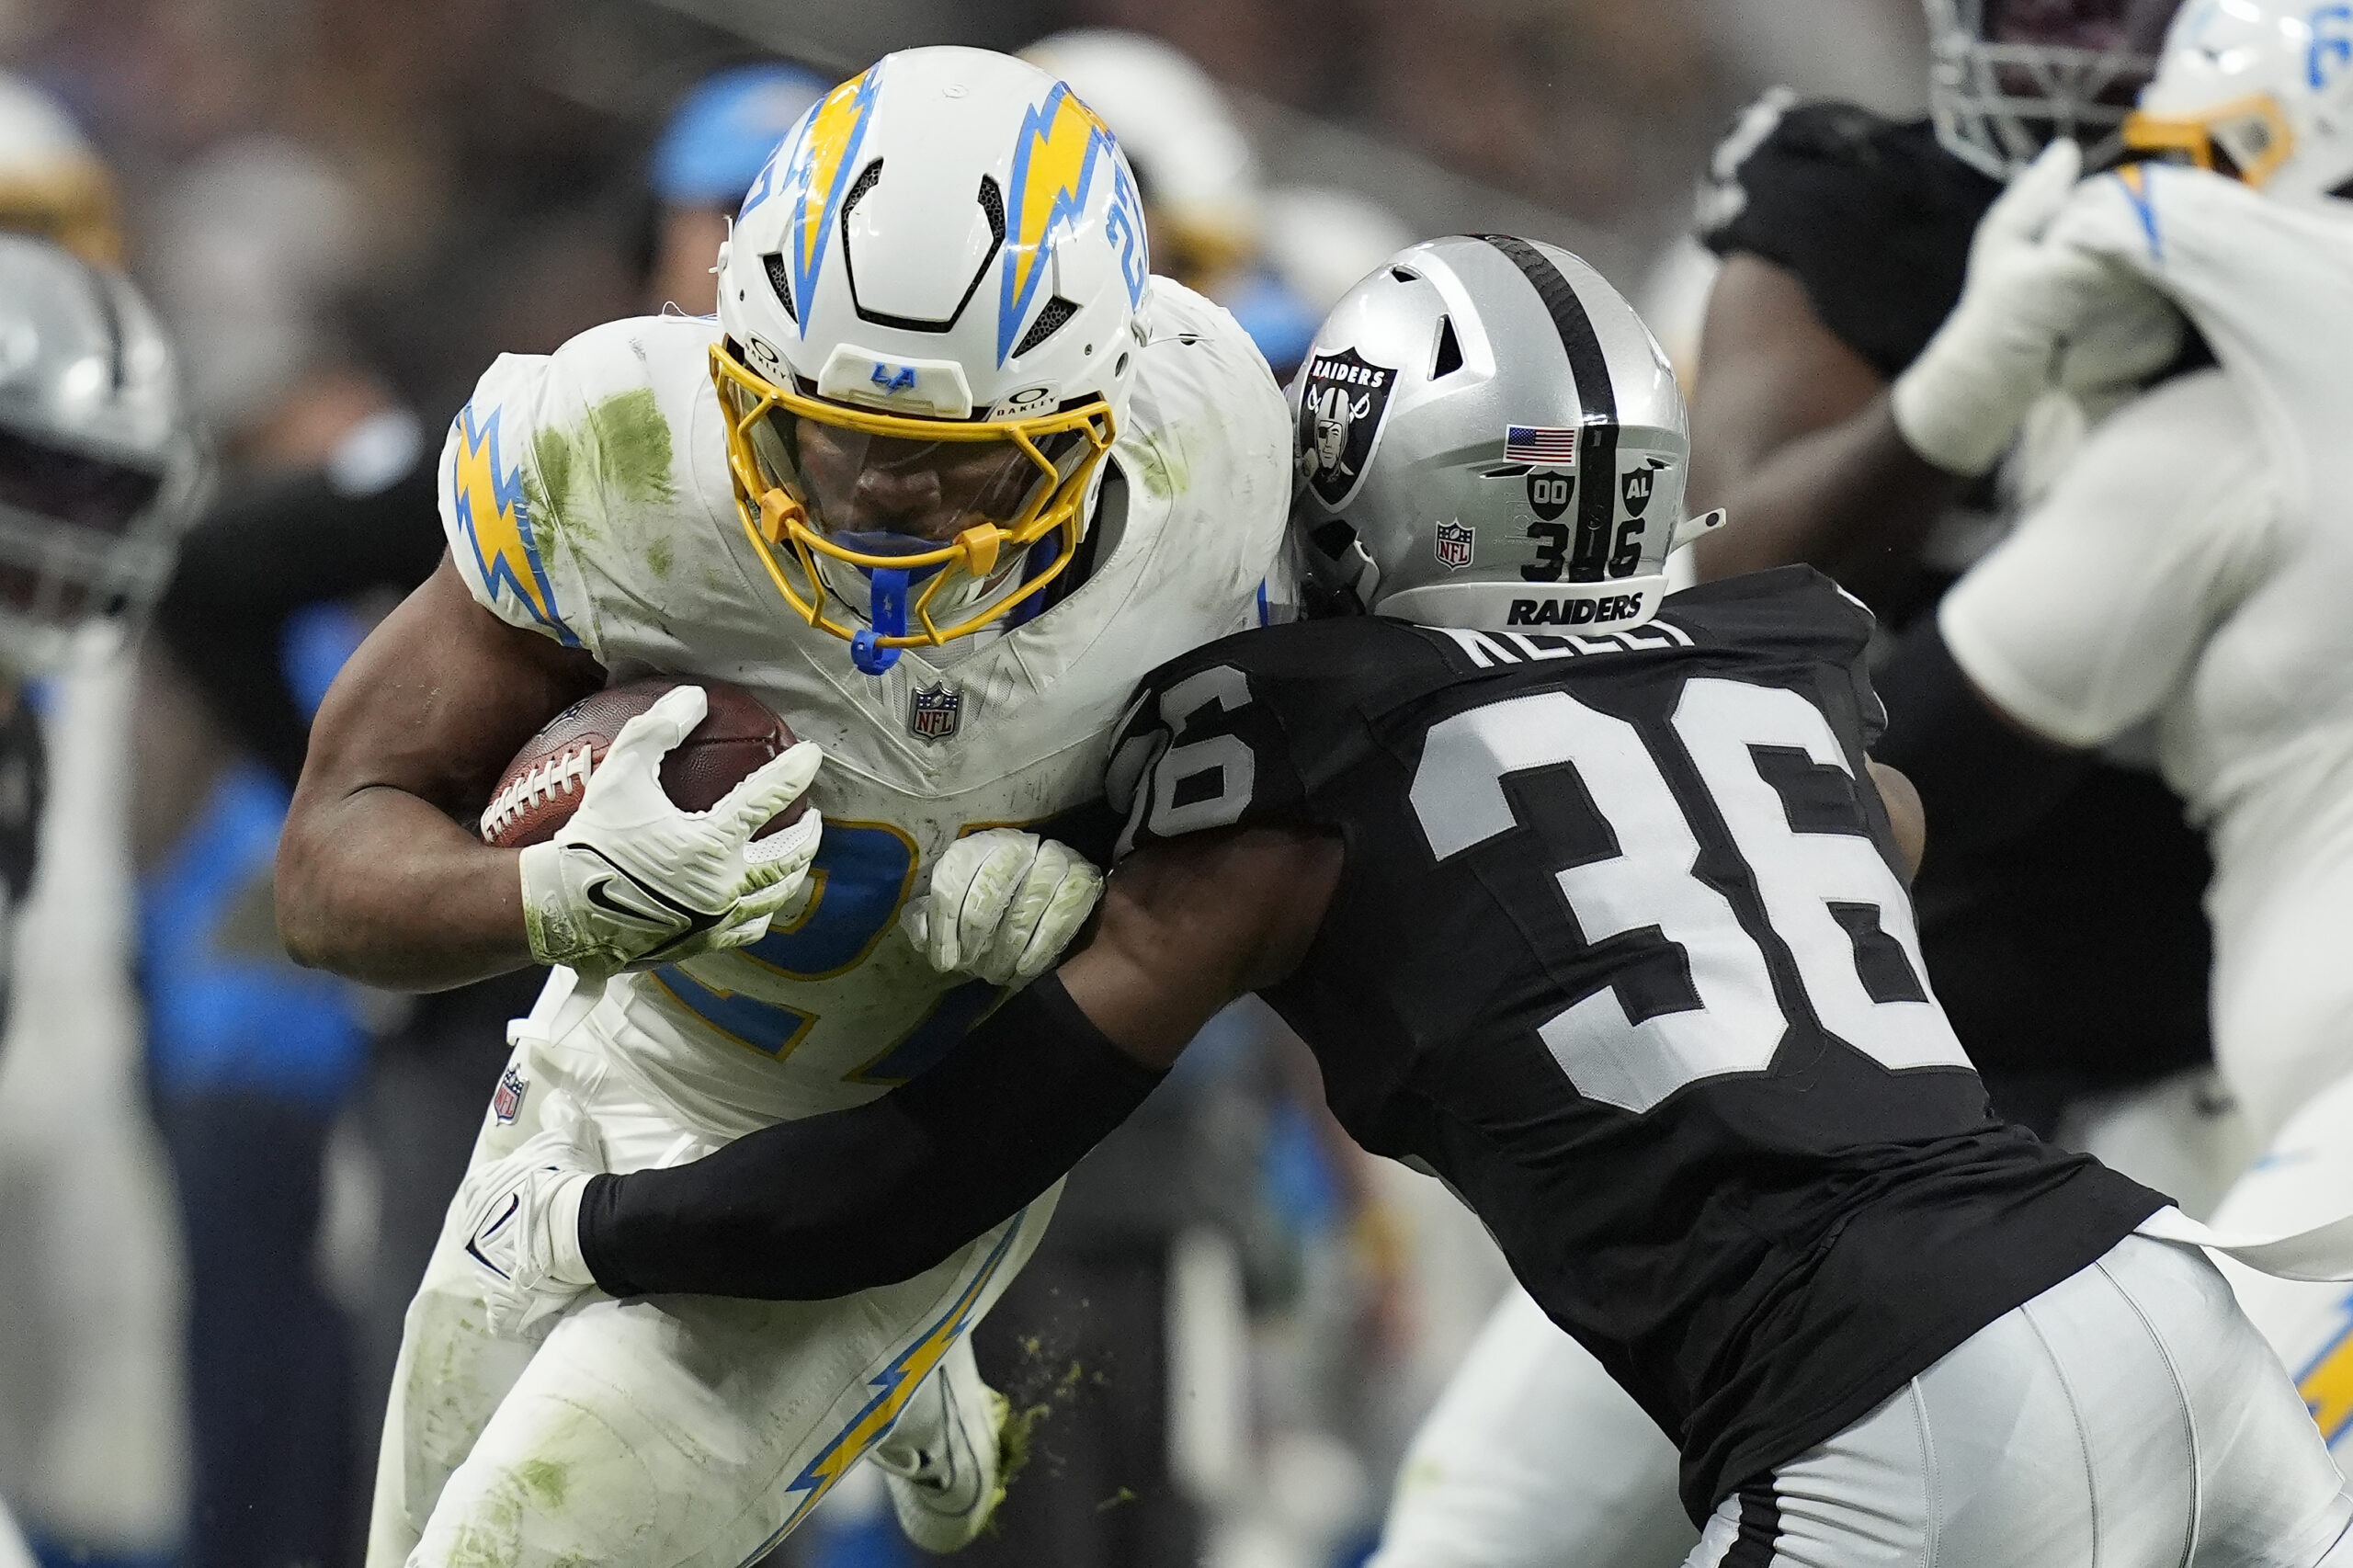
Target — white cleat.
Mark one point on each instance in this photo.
(943, 1462)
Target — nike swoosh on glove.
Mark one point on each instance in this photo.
(1001, 905)
(2034, 313)
(633, 882)
(524, 1235)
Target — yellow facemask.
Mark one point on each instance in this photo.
(774, 503)
(2247, 138)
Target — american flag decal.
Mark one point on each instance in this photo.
(1541, 444)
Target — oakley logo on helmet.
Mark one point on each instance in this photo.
(1340, 412)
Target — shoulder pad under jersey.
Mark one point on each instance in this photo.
(1792, 613)
(1873, 215)
(1236, 731)
(550, 453)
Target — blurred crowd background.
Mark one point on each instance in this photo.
(220, 1176)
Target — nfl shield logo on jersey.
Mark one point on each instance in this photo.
(506, 1102)
(934, 711)
(1454, 543)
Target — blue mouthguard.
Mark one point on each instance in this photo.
(889, 617)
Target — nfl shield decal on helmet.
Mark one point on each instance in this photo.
(506, 1101)
(934, 711)
(1454, 542)
(1340, 409)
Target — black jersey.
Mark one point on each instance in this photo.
(1621, 954)
(1873, 215)
(2076, 956)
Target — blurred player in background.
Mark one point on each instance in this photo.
(99, 473)
(52, 183)
(1204, 196)
(946, 473)
(95, 1448)
(1872, 352)
(2192, 567)
(709, 152)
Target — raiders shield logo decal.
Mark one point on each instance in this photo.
(1340, 411)
(934, 711)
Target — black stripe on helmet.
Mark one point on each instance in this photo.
(1598, 397)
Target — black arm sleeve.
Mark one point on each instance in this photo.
(1981, 782)
(267, 552)
(834, 1204)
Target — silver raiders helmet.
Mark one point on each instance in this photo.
(99, 469)
(1489, 437)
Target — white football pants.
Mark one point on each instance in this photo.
(2130, 1416)
(670, 1432)
(2305, 1177)
(1535, 1458)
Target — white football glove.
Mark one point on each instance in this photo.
(2034, 314)
(525, 1222)
(1001, 905)
(633, 881)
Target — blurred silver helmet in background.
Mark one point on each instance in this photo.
(1489, 437)
(99, 470)
(2008, 78)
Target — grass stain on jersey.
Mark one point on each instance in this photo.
(546, 1481)
(657, 556)
(1162, 468)
(619, 452)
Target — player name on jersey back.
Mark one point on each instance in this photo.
(1487, 649)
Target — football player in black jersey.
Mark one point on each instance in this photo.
(1871, 348)
(1593, 906)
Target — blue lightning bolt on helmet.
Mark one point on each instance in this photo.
(932, 302)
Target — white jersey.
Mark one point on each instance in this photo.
(2195, 565)
(586, 495)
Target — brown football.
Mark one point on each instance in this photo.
(542, 784)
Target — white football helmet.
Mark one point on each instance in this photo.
(1195, 168)
(1490, 438)
(53, 182)
(932, 302)
(2257, 89)
(2006, 77)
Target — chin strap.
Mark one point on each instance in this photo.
(889, 602)
(1690, 529)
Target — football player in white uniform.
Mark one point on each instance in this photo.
(2193, 566)
(945, 477)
